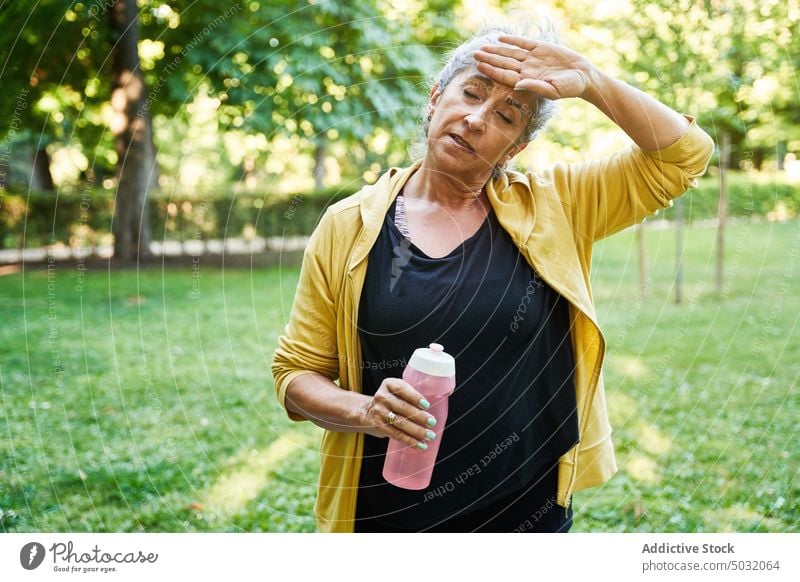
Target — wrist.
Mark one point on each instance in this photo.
(596, 83)
(359, 417)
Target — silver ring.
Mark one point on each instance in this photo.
(391, 417)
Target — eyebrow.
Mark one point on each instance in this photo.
(490, 83)
(482, 78)
(513, 102)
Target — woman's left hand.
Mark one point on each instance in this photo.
(551, 70)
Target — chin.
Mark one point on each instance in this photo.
(457, 162)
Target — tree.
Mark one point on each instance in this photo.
(326, 71)
(731, 63)
(33, 65)
(132, 139)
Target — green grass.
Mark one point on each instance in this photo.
(143, 404)
(703, 395)
(164, 417)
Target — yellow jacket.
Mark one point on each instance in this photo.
(553, 217)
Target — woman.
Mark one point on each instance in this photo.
(494, 265)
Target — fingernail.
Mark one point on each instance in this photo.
(424, 404)
(430, 435)
(423, 446)
(431, 421)
(520, 89)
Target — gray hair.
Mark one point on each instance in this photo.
(461, 58)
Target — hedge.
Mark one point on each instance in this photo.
(749, 194)
(83, 218)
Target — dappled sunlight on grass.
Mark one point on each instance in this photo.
(232, 491)
(630, 366)
(642, 468)
(621, 407)
(651, 439)
(738, 518)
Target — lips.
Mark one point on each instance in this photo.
(462, 142)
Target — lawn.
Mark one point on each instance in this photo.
(143, 400)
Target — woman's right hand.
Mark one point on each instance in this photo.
(411, 425)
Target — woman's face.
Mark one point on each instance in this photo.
(476, 123)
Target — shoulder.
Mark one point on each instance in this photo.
(540, 184)
(342, 221)
(346, 206)
(368, 194)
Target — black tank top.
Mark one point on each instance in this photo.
(513, 410)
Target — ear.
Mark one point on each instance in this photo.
(435, 94)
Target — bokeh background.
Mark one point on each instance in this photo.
(162, 163)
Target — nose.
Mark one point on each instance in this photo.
(475, 121)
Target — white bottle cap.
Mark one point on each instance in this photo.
(433, 361)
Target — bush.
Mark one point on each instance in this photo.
(42, 218)
(749, 194)
(82, 218)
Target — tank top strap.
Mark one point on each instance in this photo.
(400, 216)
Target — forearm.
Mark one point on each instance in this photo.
(316, 398)
(648, 122)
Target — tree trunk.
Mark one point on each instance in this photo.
(758, 158)
(319, 163)
(679, 250)
(722, 209)
(131, 136)
(152, 167)
(41, 178)
(642, 261)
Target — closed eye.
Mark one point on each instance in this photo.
(470, 95)
(506, 118)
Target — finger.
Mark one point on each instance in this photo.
(413, 430)
(404, 400)
(525, 44)
(499, 61)
(506, 51)
(400, 425)
(499, 75)
(412, 414)
(405, 438)
(542, 88)
(406, 392)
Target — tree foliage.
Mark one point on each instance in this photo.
(733, 63)
(326, 69)
(345, 71)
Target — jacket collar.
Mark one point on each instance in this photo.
(374, 203)
(537, 225)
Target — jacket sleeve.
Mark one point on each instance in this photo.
(309, 342)
(610, 194)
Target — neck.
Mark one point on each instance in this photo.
(444, 190)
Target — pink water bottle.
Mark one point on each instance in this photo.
(432, 372)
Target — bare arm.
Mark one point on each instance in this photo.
(316, 398)
(647, 121)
